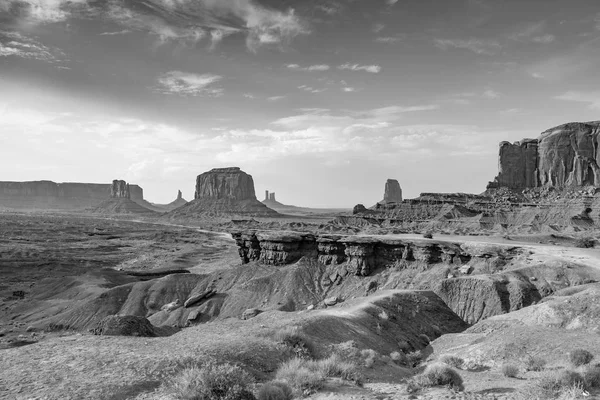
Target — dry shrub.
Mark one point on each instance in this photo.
(534, 363)
(585, 242)
(301, 345)
(437, 374)
(452, 360)
(591, 376)
(580, 357)
(335, 366)
(510, 370)
(414, 358)
(211, 382)
(554, 385)
(370, 357)
(397, 357)
(275, 391)
(298, 374)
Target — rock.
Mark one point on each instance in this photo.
(393, 192)
(250, 313)
(359, 208)
(179, 195)
(127, 325)
(199, 297)
(171, 306)
(120, 190)
(230, 183)
(465, 269)
(311, 307)
(331, 301)
(566, 155)
(193, 315)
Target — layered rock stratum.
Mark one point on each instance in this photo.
(120, 190)
(393, 192)
(563, 156)
(224, 192)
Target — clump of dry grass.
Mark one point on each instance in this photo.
(510, 370)
(436, 374)
(308, 376)
(414, 358)
(534, 363)
(452, 360)
(211, 382)
(275, 391)
(301, 345)
(591, 376)
(554, 385)
(370, 357)
(580, 357)
(398, 357)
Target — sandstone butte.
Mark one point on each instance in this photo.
(563, 156)
(393, 192)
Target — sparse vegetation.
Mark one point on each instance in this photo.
(554, 385)
(211, 382)
(398, 357)
(585, 242)
(534, 363)
(437, 374)
(369, 356)
(428, 235)
(510, 370)
(300, 344)
(308, 376)
(591, 376)
(414, 358)
(452, 360)
(275, 391)
(580, 357)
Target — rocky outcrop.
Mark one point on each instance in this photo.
(223, 192)
(474, 298)
(127, 325)
(221, 183)
(120, 190)
(393, 192)
(564, 156)
(49, 195)
(360, 255)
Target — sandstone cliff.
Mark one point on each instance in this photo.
(48, 195)
(120, 190)
(223, 192)
(393, 192)
(566, 155)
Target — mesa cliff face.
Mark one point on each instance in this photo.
(393, 192)
(58, 196)
(223, 192)
(120, 190)
(566, 155)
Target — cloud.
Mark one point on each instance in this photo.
(348, 89)
(122, 32)
(391, 2)
(275, 98)
(378, 27)
(490, 94)
(188, 21)
(374, 69)
(15, 44)
(478, 46)
(592, 98)
(533, 33)
(388, 39)
(311, 89)
(188, 84)
(310, 68)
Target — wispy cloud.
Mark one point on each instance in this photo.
(466, 98)
(478, 46)
(15, 44)
(348, 89)
(388, 39)
(533, 32)
(183, 20)
(310, 68)
(188, 84)
(591, 98)
(275, 98)
(374, 69)
(123, 32)
(311, 89)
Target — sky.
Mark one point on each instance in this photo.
(320, 101)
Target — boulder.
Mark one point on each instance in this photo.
(124, 325)
(331, 301)
(195, 299)
(250, 313)
(359, 208)
(171, 306)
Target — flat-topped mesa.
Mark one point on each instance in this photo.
(393, 192)
(563, 156)
(225, 183)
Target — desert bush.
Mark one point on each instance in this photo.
(451, 360)
(437, 374)
(534, 363)
(335, 366)
(398, 357)
(510, 370)
(428, 235)
(211, 382)
(298, 374)
(554, 385)
(301, 345)
(370, 356)
(275, 391)
(585, 242)
(414, 358)
(591, 376)
(580, 357)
